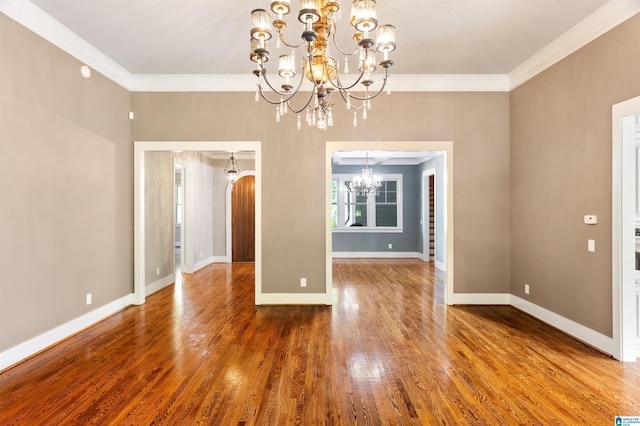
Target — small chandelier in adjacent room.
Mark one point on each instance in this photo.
(232, 170)
(320, 19)
(365, 184)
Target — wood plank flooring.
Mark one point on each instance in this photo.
(388, 352)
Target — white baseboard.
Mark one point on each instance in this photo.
(480, 299)
(204, 262)
(440, 266)
(579, 331)
(375, 255)
(33, 346)
(293, 299)
(159, 285)
(220, 259)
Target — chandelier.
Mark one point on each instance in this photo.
(365, 184)
(320, 23)
(232, 170)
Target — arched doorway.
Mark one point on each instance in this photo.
(243, 220)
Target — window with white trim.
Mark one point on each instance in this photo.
(381, 212)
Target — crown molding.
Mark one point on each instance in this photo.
(607, 17)
(602, 20)
(35, 19)
(247, 83)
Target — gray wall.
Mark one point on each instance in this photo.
(408, 240)
(66, 188)
(561, 170)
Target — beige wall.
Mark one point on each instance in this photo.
(561, 170)
(293, 229)
(65, 188)
(158, 214)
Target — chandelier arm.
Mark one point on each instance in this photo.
(366, 98)
(337, 83)
(298, 111)
(335, 43)
(287, 94)
(281, 37)
(262, 95)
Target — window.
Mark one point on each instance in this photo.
(381, 212)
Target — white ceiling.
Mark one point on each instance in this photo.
(212, 36)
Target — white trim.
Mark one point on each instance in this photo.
(159, 285)
(449, 82)
(376, 255)
(447, 197)
(480, 299)
(140, 147)
(440, 266)
(622, 229)
(228, 257)
(604, 19)
(36, 20)
(39, 343)
(204, 262)
(219, 259)
(296, 299)
(578, 331)
(247, 83)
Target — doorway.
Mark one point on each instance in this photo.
(429, 215)
(447, 196)
(243, 220)
(140, 148)
(178, 216)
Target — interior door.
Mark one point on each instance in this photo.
(243, 222)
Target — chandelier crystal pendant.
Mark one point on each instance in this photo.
(232, 170)
(365, 184)
(320, 20)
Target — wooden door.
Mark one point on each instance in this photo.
(243, 220)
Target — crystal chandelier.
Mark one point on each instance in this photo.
(320, 23)
(232, 170)
(365, 184)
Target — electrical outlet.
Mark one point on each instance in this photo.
(526, 289)
(303, 282)
(390, 246)
(158, 270)
(88, 298)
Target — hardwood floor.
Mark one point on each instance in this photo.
(387, 352)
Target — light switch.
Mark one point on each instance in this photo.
(591, 245)
(590, 219)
